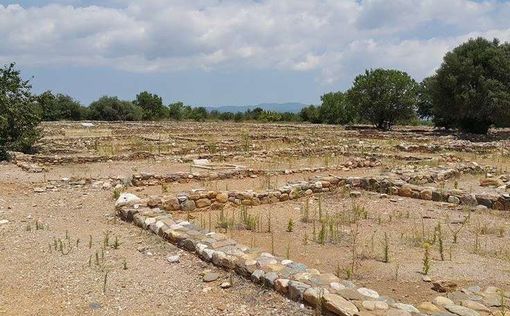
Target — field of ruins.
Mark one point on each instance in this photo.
(210, 218)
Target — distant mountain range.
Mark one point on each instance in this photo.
(275, 107)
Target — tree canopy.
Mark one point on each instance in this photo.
(152, 105)
(471, 89)
(59, 107)
(19, 115)
(112, 109)
(384, 97)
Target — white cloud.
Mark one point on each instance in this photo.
(335, 38)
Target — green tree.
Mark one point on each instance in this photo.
(152, 105)
(59, 107)
(113, 109)
(471, 89)
(425, 98)
(198, 114)
(19, 114)
(335, 109)
(384, 97)
(176, 111)
(310, 114)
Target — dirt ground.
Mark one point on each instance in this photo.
(38, 281)
(53, 258)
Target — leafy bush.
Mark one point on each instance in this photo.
(152, 105)
(113, 109)
(19, 115)
(59, 107)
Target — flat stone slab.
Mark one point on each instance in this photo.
(211, 276)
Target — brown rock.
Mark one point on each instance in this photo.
(222, 197)
(443, 286)
(339, 305)
(201, 203)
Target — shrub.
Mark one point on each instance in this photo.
(19, 115)
(113, 109)
(59, 107)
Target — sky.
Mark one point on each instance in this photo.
(233, 52)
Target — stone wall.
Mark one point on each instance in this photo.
(201, 199)
(147, 179)
(294, 280)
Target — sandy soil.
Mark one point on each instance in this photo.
(38, 281)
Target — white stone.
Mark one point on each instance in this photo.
(3, 221)
(406, 307)
(368, 292)
(127, 198)
(337, 286)
(201, 162)
(173, 259)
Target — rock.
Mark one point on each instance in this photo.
(406, 307)
(201, 203)
(492, 300)
(453, 199)
(481, 208)
(127, 199)
(491, 290)
(225, 285)
(282, 285)
(468, 199)
(461, 310)
(171, 204)
(426, 278)
(474, 306)
(337, 286)
(428, 308)
(355, 194)
(368, 292)
(313, 295)
(474, 289)
(200, 162)
(443, 286)
(397, 312)
(374, 305)
(426, 194)
(351, 295)
(257, 275)
(269, 278)
(222, 197)
(188, 205)
(211, 276)
(405, 191)
(39, 190)
(3, 221)
(442, 301)
(339, 305)
(490, 182)
(173, 259)
(296, 290)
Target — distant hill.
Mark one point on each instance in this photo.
(276, 107)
